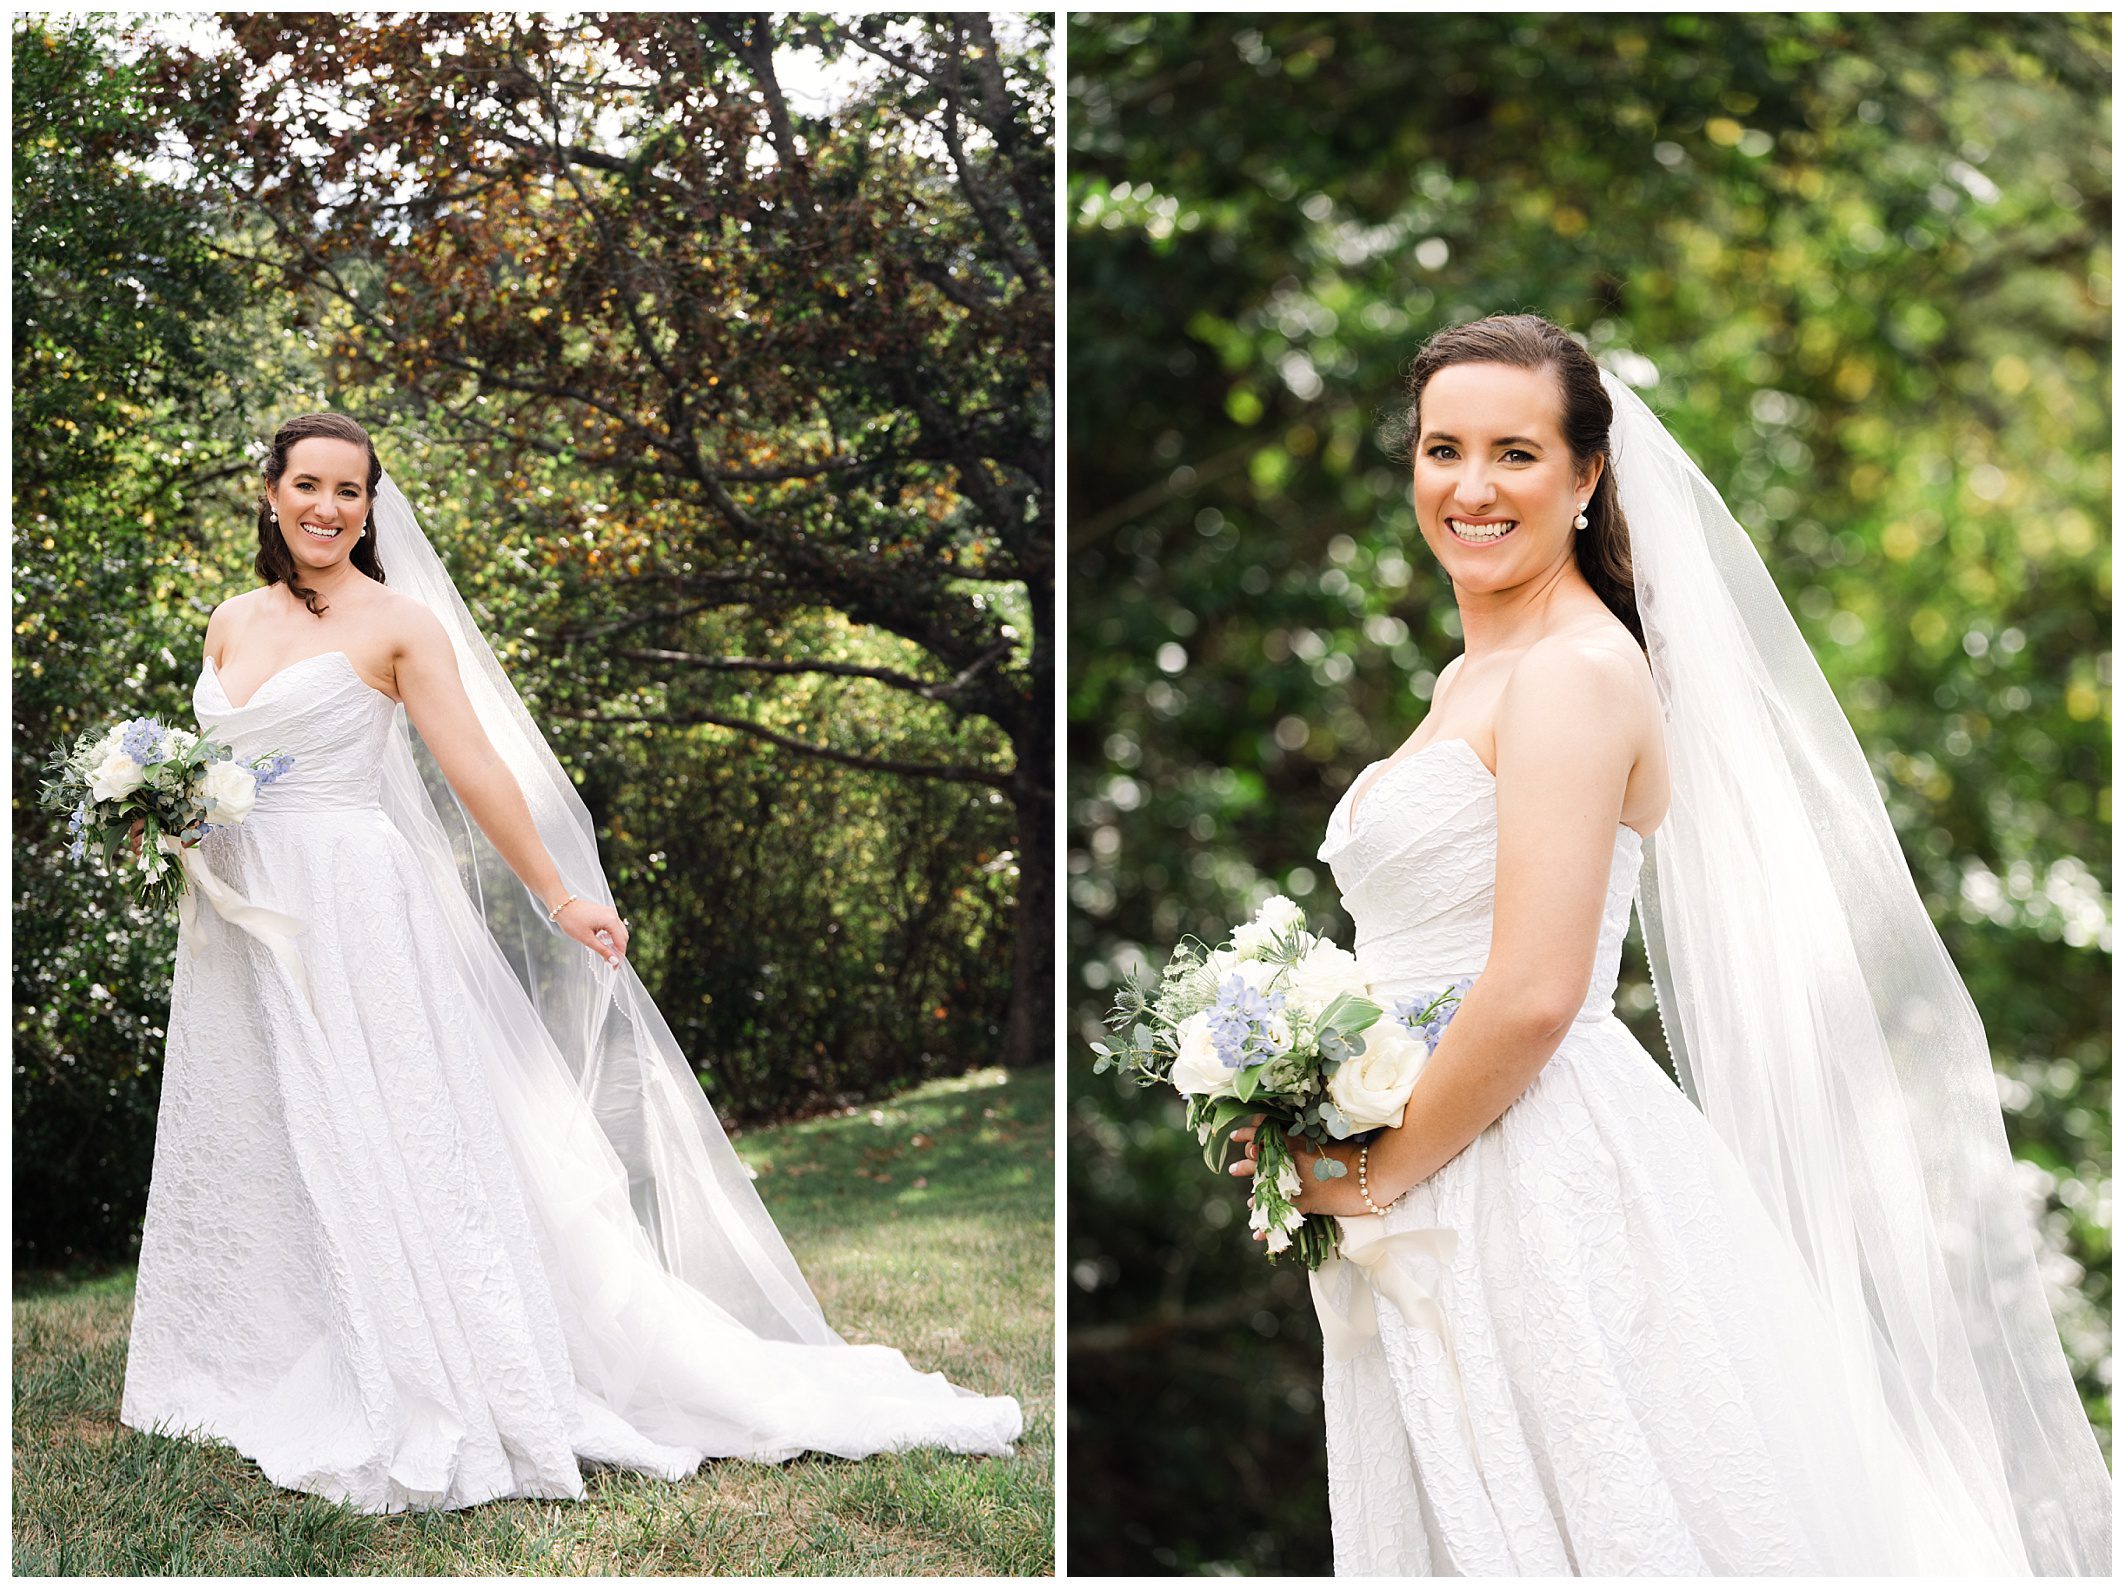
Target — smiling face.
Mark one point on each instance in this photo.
(1495, 487)
(322, 500)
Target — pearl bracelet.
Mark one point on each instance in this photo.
(1364, 1189)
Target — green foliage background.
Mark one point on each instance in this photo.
(1868, 259)
(813, 932)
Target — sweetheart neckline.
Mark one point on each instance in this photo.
(213, 668)
(1390, 763)
(1349, 816)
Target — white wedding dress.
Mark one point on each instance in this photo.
(360, 1266)
(1632, 1374)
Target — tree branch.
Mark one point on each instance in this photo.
(992, 106)
(992, 216)
(846, 758)
(1088, 531)
(754, 46)
(928, 689)
(845, 670)
(1161, 1328)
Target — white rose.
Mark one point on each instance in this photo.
(1198, 1072)
(1256, 974)
(1278, 1032)
(228, 791)
(116, 776)
(1272, 921)
(1372, 1088)
(1280, 915)
(1326, 973)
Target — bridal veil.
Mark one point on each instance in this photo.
(1813, 1014)
(607, 1117)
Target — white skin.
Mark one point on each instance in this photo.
(399, 649)
(1554, 695)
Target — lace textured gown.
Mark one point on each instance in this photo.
(1631, 1376)
(349, 1273)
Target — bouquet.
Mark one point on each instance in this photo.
(174, 782)
(1276, 1022)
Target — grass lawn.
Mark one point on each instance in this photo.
(926, 1221)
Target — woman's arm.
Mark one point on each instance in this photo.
(425, 671)
(219, 623)
(1565, 747)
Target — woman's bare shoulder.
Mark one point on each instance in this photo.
(231, 615)
(1605, 652)
(1595, 673)
(243, 603)
(403, 621)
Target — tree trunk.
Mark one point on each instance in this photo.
(1029, 1037)
(1029, 1032)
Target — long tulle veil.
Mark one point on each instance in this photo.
(598, 1039)
(1813, 1014)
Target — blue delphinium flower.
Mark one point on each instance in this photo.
(279, 767)
(1238, 1016)
(142, 740)
(75, 822)
(1407, 1011)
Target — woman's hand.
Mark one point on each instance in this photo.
(134, 834)
(584, 919)
(1315, 1196)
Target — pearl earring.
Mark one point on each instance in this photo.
(1579, 523)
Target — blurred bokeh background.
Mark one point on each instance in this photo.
(1868, 260)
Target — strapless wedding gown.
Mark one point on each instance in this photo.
(1631, 1374)
(349, 1273)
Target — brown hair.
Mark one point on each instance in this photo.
(1530, 342)
(275, 563)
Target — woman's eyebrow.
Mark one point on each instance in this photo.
(1501, 441)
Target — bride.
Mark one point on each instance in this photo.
(1788, 1321)
(439, 1212)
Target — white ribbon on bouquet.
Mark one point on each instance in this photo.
(276, 930)
(1369, 1265)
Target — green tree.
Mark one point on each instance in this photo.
(817, 925)
(120, 375)
(806, 354)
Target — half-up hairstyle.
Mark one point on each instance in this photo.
(1530, 342)
(275, 563)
